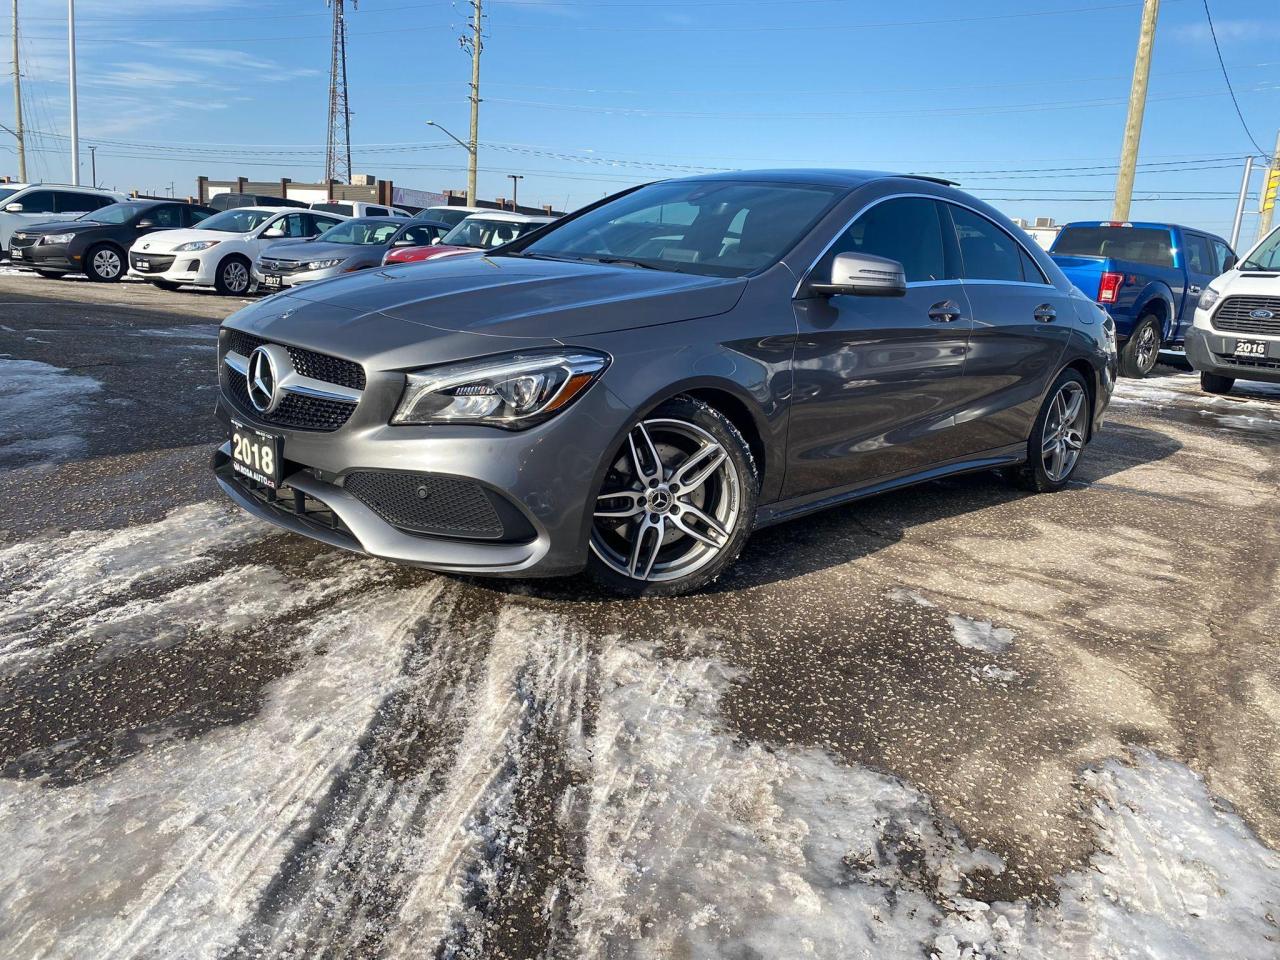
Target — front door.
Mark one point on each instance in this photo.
(876, 379)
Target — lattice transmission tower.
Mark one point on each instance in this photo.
(338, 160)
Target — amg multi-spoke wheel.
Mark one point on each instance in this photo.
(1058, 437)
(677, 502)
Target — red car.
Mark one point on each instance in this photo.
(478, 232)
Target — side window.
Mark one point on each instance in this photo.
(906, 229)
(167, 217)
(986, 250)
(1224, 259)
(376, 212)
(1198, 258)
(195, 214)
(69, 202)
(423, 236)
(320, 224)
(1031, 271)
(293, 225)
(38, 201)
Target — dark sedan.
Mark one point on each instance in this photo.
(96, 243)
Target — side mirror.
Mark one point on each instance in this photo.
(146, 224)
(273, 232)
(864, 275)
(1229, 264)
(13, 208)
(405, 242)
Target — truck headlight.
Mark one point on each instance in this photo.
(1208, 298)
(513, 392)
(57, 238)
(324, 264)
(195, 245)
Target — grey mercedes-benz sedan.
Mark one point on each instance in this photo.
(636, 388)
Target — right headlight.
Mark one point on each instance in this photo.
(513, 392)
(1208, 298)
(195, 245)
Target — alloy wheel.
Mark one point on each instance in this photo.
(106, 263)
(1064, 431)
(1148, 348)
(236, 277)
(669, 504)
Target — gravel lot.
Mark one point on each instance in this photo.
(957, 721)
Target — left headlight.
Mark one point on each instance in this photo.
(57, 238)
(513, 392)
(324, 264)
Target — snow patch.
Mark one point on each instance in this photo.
(902, 595)
(42, 412)
(980, 634)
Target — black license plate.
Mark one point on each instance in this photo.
(270, 283)
(142, 264)
(1251, 349)
(256, 455)
(16, 254)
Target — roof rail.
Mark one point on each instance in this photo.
(940, 180)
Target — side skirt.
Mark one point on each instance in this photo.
(784, 510)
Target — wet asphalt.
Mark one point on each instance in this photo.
(980, 645)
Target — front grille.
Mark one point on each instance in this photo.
(22, 242)
(318, 366)
(296, 410)
(1233, 315)
(424, 503)
(1258, 363)
(279, 266)
(155, 264)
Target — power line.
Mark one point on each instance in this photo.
(1231, 90)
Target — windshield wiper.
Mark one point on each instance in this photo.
(627, 262)
(1250, 265)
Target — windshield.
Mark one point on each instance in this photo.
(360, 232)
(345, 209)
(707, 227)
(1140, 244)
(1266, 257)
(114, 213)
(236, 221)
(486, 234)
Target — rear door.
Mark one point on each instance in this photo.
(877, 379)
(1021, 324)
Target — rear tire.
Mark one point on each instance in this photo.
(1213, 383)
(677, 503)
(1058, 437)
(234, 277)
(1141, 352)
(104, 263)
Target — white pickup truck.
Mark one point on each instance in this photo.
(1236, 334)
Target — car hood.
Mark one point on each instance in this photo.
(298, 250)
(61, 226)
(165, 240)
(465, 306)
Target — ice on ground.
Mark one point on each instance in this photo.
(42, 412)
(980, 634)
(902, 595)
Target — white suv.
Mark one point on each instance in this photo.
(1236, 335)
(22, 204)
(219, 253)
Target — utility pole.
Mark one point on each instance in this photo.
(515, 179)
(1270, 187)
(338, 155)
(93, 165)
(474, 45)
(1137, 107)
(17, 102)
(1240, 204)
(75, 108)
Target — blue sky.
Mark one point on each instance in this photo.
(585, 97)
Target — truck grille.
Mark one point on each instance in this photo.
(424, 503)
(1235, 315)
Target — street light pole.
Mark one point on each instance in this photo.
(515, 179)
(471, 181)
(93, 165)
(75, 109)
(17, 102)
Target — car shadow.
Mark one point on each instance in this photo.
(863, 527)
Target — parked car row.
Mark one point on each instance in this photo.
(54, 231)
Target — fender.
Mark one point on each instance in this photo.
(1154, 291)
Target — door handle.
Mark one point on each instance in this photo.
(947, 311)
(1045, 313)
(1195, 290)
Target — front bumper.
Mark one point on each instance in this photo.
(191, 269)
(296, 277)
(1212, 352)
(44, 256)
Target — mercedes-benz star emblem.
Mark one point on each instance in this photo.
(262, 380)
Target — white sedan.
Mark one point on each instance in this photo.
(219, 253)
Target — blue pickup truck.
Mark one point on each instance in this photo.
(1148, 276)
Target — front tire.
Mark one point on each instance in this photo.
(233, 277)
(1058, 437)
(104, 263)
(1141, 352)
(1213, 383)
(677, 503)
